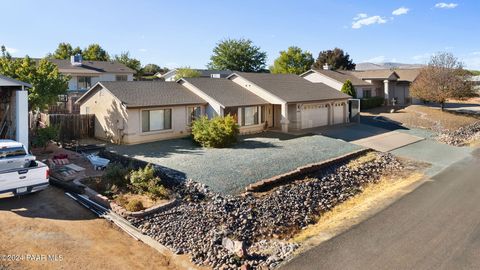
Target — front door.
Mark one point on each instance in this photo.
(277, 115)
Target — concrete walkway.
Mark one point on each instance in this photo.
(387, 142)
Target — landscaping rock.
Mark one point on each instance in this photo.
(204, 223)
(462, 135)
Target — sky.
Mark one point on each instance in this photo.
(183, 33)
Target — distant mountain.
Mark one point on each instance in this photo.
(386, 65)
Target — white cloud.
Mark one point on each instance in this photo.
(11, 50)
(362, 19)
(476, 53)
(380, 59)
(422, 57)
(446, 5)
(142, 50)
(360, 16)
(400, 11)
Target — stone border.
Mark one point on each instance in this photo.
(105, 202)
(286, 178)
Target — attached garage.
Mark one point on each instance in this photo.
(339, 110)
(315, 115)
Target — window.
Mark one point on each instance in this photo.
(193, 113)
(12, 152)
(84, 82)
(250, 116)
(156, 120)
(367, 93)
(121, 78)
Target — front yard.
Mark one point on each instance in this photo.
(253, 158)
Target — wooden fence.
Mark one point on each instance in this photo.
(72, 126)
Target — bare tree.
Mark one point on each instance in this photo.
(442, 79)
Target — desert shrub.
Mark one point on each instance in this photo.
(217, 132)
(134, 205)
(115, 176)
(144, 181)
(369, 103)
(45, 136)
(121, 200)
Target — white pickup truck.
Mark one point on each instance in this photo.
(20, 173)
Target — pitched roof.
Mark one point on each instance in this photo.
(342, 76)
(374, 74)
(291, 87)
(226, 92)
(148, 93)
(408, 75)
(7, 81)
(91, 67)
(203, 73)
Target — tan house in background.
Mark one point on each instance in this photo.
(386, 83)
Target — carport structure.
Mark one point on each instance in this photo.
(295, 103)
(14, 110)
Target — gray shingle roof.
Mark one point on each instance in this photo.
(342, 76)
(379, 74)
(292, 88)
(228, 93)
(7, 81)
(92, 67)
(150, 93)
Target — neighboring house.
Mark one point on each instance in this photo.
(204, 73)
(84, 74)
(386, 83)
(136, 112)
(476, 83)
(14, 110)
(141, 111)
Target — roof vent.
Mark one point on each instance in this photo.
(76, 60)
(326, 66)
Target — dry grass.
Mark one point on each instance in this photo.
(358, 208)
(355, 163)
(425, 117)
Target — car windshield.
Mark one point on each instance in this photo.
(12, 152)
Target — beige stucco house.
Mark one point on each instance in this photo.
(386, 83)
(136, 112)
(141, 111)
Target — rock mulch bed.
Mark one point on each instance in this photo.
(461, 136)
(253, 226)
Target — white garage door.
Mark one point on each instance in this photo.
(314, 115)
(338, 116)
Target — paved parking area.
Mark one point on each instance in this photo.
(253, 158)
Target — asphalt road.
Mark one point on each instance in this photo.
(437, 226)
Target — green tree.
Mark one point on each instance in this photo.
(130, 62)
(186, 72)
(152, 69)
(95, 52)
(64, 51)
(47, 83)
(293, 60)
(348, 89)
(239, 55)
(5, 54)
(336, 59)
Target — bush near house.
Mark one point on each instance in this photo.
(349, 89)
(45, 136)
(217, 132)
(144, 181)
(369, 103)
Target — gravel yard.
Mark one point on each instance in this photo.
(253, 158)
(200, 227)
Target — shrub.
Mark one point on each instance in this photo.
(45, 136)
(217, 132)
(115, 176)
(145, 181)
(349, 89)
(373, 102)
(134, 205)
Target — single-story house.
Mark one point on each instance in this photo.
(140, 111)
(14, 110)
(386, 83)
(170, 76)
